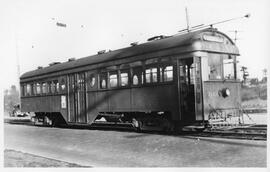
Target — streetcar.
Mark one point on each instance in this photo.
(167, 83)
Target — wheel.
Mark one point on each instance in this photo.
(47, 121)
(137, 124)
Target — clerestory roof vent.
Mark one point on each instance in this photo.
(71, 59)
(157, 37)
(134, 44)
(101, 52)
(54, 63)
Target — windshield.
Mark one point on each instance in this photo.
(221, 66)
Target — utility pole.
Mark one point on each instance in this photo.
(235, 35)
(245, 73)
(18, 64)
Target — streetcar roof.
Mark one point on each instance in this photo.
(175, 41)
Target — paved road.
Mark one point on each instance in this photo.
(100, 148)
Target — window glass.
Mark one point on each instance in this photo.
(113, 80)
(52, 87)
(166, 74)
(34, 89)
(25, 90)
(192, 73)
(63, 86)
(44, 88)
(22, 90)
(221, 66)
(103, 80)
(215, 66)
(137, 77)
(228, 67)
(135, 80)
(57, 86)
(148, 75)
(151, 75)
(28, 90)
(124, 78)
(92, 80)
(154, 74)
(38, 88)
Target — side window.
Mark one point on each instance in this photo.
(137, 76)
(44, 88)
(103, 80)
(49, 87)
(38, 88)
(22, 90)
(92, 80)
(28, 90)
(57, 87)
(151, 75)
(34, 89)
(124, 78)
(63, 85)
(113, 80)
(52, 87)
(166, 74)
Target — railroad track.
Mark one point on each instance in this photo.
(254, 132)
(250, 132)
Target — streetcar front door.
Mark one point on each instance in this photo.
(190, 89)
(76, 97)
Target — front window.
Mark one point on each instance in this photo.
(221, 66)
(228, 66)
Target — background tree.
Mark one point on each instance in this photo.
(11, 98)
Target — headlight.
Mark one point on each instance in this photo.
(225, 92)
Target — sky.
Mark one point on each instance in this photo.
(29, 35)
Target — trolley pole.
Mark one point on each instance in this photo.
(187, 19)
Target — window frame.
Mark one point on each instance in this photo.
(151, 67)
(139, 72)
(91, 74)
(102, 75)
(117, 79)
(123, 71)
(162, 69)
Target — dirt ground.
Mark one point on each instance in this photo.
(20, 159)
